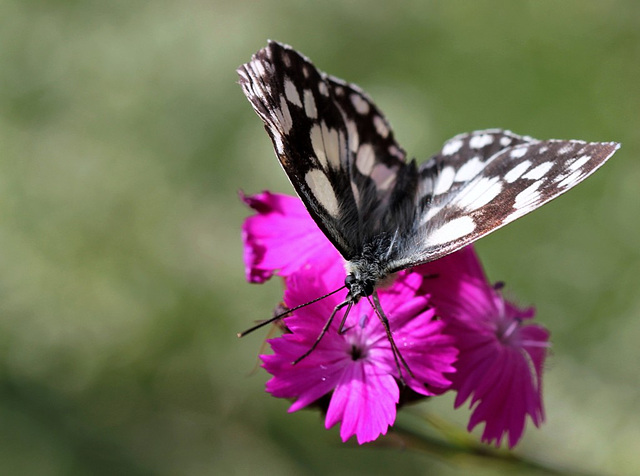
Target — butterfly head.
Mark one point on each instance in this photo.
(358, 287)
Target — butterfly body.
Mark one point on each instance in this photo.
(370, 267)
(382, 212)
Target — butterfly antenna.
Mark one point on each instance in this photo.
(397, 356)
(282, 314)
(325, 328)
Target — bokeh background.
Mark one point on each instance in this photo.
(124, 140)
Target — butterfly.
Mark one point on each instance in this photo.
(385, 213)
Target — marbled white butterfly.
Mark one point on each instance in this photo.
(384, 213)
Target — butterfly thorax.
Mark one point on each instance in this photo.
(369, 268)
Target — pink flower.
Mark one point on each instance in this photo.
(357, 367)
(501, 356)
(281, 238)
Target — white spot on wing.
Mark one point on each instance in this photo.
(426, 187)
(291, 92)
(310, 104)
(381, 126)
(528, 196)
(516, 172)
(283, 116)
(539, 171)
(570, 180)
(286, 60)
(333, 138)
(480, 193)
(356, 194)
(317, 142)
(478, 142)
(444, 180)
(322, 87)
(277, 138)
(451, 231)
(393, 150)
(365, 159)
(322, 190)
(258, 67)
(354, 138)
(505, 141)
(327, 142)
(433, 211)
(519, 152)
(452, 147)
(565, 149)
(469, 169)
(580, 162)
(361, 106)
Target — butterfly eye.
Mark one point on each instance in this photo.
(368, 289)
(349, 280)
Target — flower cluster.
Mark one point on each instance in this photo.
(453, 328)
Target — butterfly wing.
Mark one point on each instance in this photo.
(466, 196)
(333, 143)
(341, 157)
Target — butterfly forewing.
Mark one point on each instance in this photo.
(332, 141)
(308, 133)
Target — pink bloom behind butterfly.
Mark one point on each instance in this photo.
(281, 238)
(501, 353)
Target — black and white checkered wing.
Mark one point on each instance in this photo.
(481, 181)
(334, 144)
(341, 157)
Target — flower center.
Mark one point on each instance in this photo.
(357, 340)
(507, 331)
(357, 352)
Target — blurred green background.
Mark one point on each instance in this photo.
(124, 139)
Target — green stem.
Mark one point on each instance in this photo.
(455, 445)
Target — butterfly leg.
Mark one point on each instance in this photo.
(397, 356)
(342, 329)
(324, 330)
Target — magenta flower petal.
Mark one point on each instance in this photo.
(281, 238)
(499, 368)
(365, 403)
